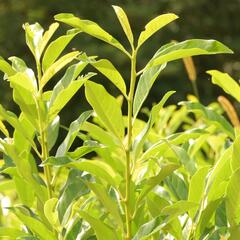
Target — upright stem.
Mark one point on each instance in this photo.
(129, 145)
(43, 138)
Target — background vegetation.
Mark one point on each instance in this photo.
(216, 19)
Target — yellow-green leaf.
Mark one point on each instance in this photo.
(107, 69)
(123, 19)
(154, 25)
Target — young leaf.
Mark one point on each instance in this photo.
(144, 86)
(55, 48)
(57, 66)
(6, 68)
(47, 36)
(102, 230)
(33, 34)
(64, 95)
(90, 28)
(123, 19)
(228, 84)
(187, 48)
(107, 69)
(154, 25)
(106, 107)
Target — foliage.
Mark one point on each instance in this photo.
(172, 177)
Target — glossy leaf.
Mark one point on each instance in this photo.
(90, 28)
(187, 48)
(154, 181)
(106, 107)
(211, 116)
(55, 48)
(228, 84)
(233, 199)
(73, 189)
(144, 86)
(102, 231)
(72, 133)
(109, 203)
(154, 25)
(34, 225)
(107, 69)
(57, 66)
(139, 141)
(123, 19)
(97, 168)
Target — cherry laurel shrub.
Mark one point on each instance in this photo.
(144, 180)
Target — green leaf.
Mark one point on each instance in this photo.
(65, 93)
(178, 208)
(90, 28)
(211, 116)
(139, 141)
(187, 48)
(52, 132)
(177, 186)
(233, 199)
(73, 230)
(109, 204)
(148, 229)
(12, 119)
(102, 230)
(50, 210)
(12, 233)
(154, 181)
(108, 70)
(72, 190)
(106, 107)
(3, 129)
(123, 19)
(144, 86)
(57, 66)
(24, 94)
(72, 133)
(55, 48)
(197, 187)
(33, 34)
(228, 84)
(97, 168)
(34, 225)
(235, 163)
(154, 25)
(47, 36)
(6, 68)
(88, 147)
(206, 216)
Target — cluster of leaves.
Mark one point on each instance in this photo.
(173, 177)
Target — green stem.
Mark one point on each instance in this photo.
(128, 217)
(43, 137)
(195, 89)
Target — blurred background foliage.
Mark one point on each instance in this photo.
(215, 19)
